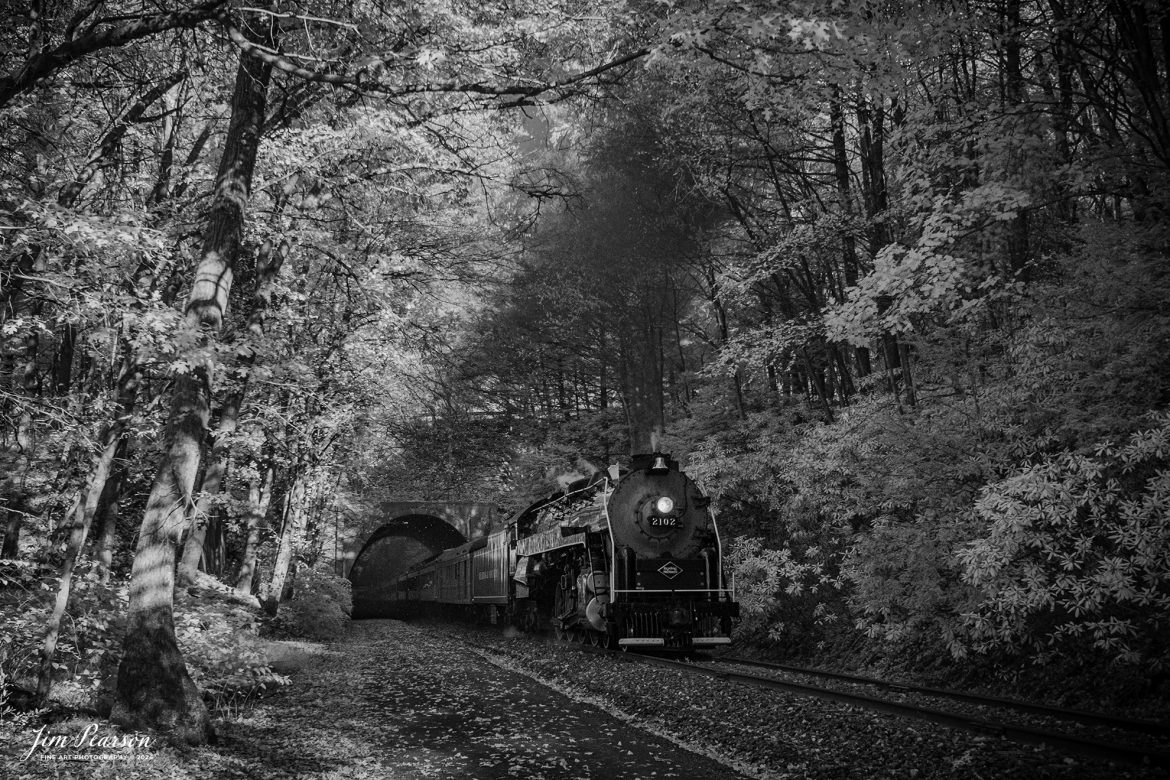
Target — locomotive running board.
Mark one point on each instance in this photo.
(641, 642)
(711, 640)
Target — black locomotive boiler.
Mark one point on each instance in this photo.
(622, 561)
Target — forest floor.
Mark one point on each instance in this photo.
(386, 700)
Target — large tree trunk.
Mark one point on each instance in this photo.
(269, 260)
(153, 687)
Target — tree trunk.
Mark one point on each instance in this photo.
(643, 393)
(213, 543)
(86, 509)
(30, 384)
(15, 461)
(871, 125)
(79, 529)
(712, 292)
(907, 378)
(269, 260)
(1017, 239)
(818, 383)
(12, 279)
(289, 537)
(603, 388)
(153, 688)
(850, 265)
(212, 487)
(844, 196)
(63, 360)
(108, 537)
(259, 496)
(169, 136)
(847, 386)
(864, 367)
(15, 519)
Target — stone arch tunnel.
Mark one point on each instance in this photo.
(413, 532)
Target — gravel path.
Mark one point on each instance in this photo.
(779, 735)
(391, 700)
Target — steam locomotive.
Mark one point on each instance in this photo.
(614, 560)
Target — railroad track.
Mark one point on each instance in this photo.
(1131, 741)
(1137, 725)
(1123, 740)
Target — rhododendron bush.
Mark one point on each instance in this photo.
(1078, 548)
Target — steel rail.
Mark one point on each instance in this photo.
(1090, 747)
(1081, 716)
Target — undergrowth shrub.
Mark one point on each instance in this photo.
(224, 657)
(780, 597)
(90, 629)
(320, 606)
(904, 584)
(24, 601)
(1077, 551)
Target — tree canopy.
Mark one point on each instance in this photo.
(889, 278)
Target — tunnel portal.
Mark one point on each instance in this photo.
(392, 549)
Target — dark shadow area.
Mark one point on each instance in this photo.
(390, 551)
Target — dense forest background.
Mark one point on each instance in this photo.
(890, 279)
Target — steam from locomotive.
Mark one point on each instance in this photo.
(634, 561)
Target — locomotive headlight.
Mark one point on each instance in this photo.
(664, 505)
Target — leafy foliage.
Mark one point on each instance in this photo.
(320, 606)
(1077, 548)
(780, 597)
(224, 655)
(890, 277)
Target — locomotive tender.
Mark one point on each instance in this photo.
(622, 562)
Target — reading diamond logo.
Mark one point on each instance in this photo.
(670, 570)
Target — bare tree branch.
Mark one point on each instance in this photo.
(72, 50)
(359, 81)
